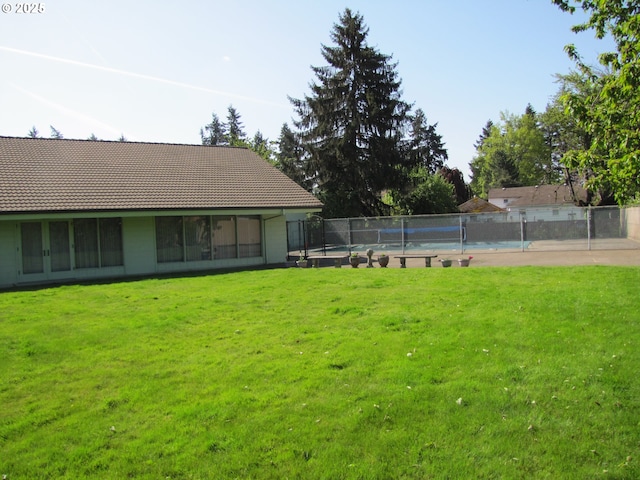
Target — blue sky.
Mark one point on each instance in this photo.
(156, 70)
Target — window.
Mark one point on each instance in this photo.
(224, 237)
(111, 242)
(31, 234)
(169, 239)
(85, 235)
(98, 242)
(198, 238)
(59, 242)
(249, 236)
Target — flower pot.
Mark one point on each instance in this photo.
(354, 261)
(383, 261)
(302, 263)
(445, 263)
(464, 262)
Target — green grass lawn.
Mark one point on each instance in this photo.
(326, 373)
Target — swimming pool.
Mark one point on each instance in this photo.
(431, 246)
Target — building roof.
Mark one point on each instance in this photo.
(51, 175)
(478, 205)
(556, 195)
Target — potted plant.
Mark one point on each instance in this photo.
(383, 260)
(354, 260)
(464, 262)
(302, 262)
(446, 262)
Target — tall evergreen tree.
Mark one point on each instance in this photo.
(55, 133)
(235, 129)
(214, 133)
(425, 145)
(262, 146)
(290, 157)
(33, 133)
(486, 132)
(351, 123)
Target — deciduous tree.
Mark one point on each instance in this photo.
(610, 112)
(462, 191)
(514, 153)
(428, 194)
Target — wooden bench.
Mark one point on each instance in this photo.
(315, 259)
(403, 259)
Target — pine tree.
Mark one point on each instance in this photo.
(486, 132)
(290, 157)
(425, 145)
(214, 133)
(55, 133)
(351, 123)
(235, 132)
(262, 146)
(33, 133)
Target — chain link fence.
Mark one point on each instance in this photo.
(565, 228)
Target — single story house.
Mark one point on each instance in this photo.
(80, 210)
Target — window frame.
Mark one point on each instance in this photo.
(219, 246)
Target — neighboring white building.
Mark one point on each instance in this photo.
(538, 196)
(79, 210)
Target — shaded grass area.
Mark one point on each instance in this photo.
(329, 373)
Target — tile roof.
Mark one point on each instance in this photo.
(478, 205)
(538, 195)
(48, 175)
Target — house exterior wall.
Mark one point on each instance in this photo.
(138, 251)
(138, 244)
(275, 235)
(502, 202)
(633, 223)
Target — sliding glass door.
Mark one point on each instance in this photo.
(33, 251)
(45, 248)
